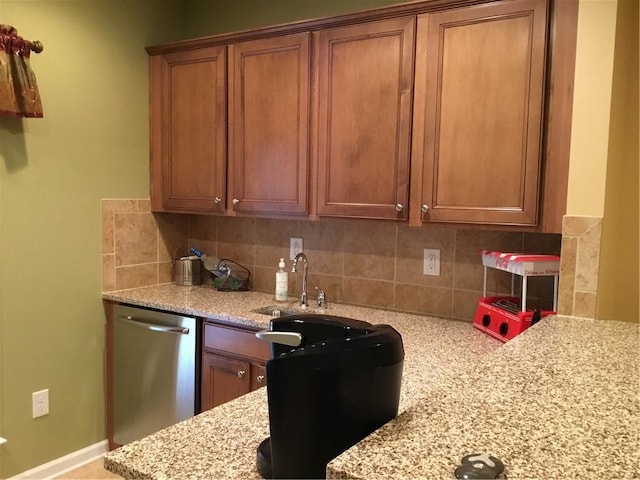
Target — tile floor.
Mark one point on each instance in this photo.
(91, 471)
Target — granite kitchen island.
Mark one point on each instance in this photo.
(558, 401)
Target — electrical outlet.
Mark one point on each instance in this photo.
(431, 262)
(40, 403)
(295, 247)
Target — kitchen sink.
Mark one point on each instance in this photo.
(282, 310)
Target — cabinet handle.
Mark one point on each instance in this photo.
(217, 200)
(399, 207)
(259, 378)
(291, 339)
(424, 208)
(241, 373)
(236, 201)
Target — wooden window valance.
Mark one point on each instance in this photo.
(19, 94)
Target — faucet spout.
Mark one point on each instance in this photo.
(294, 269)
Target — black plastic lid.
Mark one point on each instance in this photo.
(336, 340)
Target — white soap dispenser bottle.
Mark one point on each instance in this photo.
(282, 283)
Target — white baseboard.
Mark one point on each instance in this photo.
(61, 465)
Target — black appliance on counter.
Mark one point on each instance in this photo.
(331, 381)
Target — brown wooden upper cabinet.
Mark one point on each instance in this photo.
(188, 130)
(423, 111)
(478, 113)
(365, 76)
(269, 125)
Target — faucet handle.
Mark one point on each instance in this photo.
(322, 298)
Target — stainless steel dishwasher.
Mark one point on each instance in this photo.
(154, 371)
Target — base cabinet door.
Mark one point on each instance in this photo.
(233, 363)
(223, 379)
(479, 93)
(365, 75)
(188, 130)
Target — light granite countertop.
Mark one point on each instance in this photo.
(558, 401)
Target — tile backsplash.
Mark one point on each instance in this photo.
(138, 246)
(370, 263)
(579, 266)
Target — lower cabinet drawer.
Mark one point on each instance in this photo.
(236, 341)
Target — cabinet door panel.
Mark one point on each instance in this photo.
(270, 153)
(189, 139)
(483, 82)
(223, 379)
(364, 108)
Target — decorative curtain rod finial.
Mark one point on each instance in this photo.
(36, 46)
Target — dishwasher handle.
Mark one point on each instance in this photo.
(152, 326)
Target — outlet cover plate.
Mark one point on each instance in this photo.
(40, 403)
(431, 262)
(295, 247)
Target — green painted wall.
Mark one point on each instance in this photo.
(210, 17)
(618, 283)
(591, 107)
(603, 170)
(92, 143)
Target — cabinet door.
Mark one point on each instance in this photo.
(223, 379)
(188, 130)
(478, 113)
(269, 154)
(364, 118)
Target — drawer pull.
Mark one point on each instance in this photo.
(241, 373)
(259, 378)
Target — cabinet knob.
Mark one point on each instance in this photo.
(399, 207)
(259, 378)
(217, 200)
(241, 373)
(424, 208)
(236, 201)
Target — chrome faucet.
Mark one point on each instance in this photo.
(321, 302)
(294, 269)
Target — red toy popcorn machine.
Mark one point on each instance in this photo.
(504, 317)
